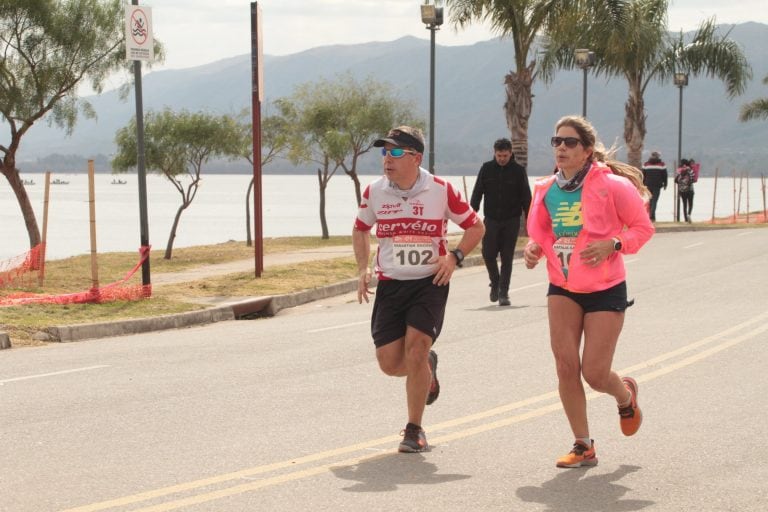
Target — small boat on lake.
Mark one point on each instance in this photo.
(57, 181)
(119, 182)
(28, 182)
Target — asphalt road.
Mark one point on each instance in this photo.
(292, 413)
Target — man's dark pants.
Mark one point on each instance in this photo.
(655, 193)
(500, 238)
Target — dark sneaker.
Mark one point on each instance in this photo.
(630, 416)
(414, 440)
(494, 293)
(580, 455)
(434, 387)
(504, 300)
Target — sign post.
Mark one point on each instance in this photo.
(257, 89)
(139, 45)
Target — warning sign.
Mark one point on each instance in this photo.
(139, 43)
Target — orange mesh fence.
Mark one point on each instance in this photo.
(15, 269)
(118, 290)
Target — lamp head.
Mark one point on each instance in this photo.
(584, 58)
(431, 15)
(681, 79)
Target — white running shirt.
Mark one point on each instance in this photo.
(411, 225)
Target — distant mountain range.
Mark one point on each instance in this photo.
(469, 105)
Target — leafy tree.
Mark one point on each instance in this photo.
(274, 140)
(177, 145)
(630, 40)
(521, 21)
(757, 109)
(334, 122)
(364, 111)
(47, 49)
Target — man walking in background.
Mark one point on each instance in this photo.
(504, 185)
(655, 178)
(410, 208)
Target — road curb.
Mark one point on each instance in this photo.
(258, 307)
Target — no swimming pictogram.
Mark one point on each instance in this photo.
(139, 27)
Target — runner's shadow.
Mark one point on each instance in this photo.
(573, 490)
(496, 307)
(386, 473)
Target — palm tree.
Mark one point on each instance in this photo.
(631, 40)
(521, 21)
(757, 109)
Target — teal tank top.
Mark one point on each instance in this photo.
(565, 210)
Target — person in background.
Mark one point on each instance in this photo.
(583, 220)
(414, 265)
(685, 177)
(654, 178)
(504, 185)
(696, 167)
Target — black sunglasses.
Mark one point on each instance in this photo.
(570, 142)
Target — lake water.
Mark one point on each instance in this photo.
(291, 207)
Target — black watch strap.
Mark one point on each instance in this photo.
(459, 256)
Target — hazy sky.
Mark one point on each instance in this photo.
(197, 32)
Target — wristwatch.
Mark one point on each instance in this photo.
(458, 255)
(617, 244)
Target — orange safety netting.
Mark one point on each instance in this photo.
(111, 292)
(16, 267)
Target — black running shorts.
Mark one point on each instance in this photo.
(612, 299)
(398, 304)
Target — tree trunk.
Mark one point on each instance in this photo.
(634, 126)
(323, 182)
(172, 236)
(248, 239)
(518, 110)
(356, 180)
(14, 180)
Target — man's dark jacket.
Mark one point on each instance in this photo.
(506, 190)
(655, 174)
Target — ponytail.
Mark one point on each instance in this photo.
(632, 173)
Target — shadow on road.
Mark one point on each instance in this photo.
(573, 490)
(387, 472)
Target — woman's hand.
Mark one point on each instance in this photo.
(532, 254)
(596, 252)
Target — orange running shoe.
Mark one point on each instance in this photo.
(580, 455)
(630, 416)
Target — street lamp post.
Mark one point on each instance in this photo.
(585, 59)
(681, 80)
(432, 17)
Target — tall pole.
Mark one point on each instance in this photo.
(141, 168)
(585, 59)
(679, 149)
(584, 97)
(432, 29)
(257, 94)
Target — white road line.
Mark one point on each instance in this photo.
(534, 285)
(693, 245)
(342, 326)
(62, 372)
